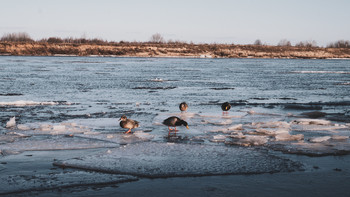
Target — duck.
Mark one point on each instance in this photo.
(183, 106)
(225, 107)
(174, 121)
(128, 123)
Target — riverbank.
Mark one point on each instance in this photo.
(171, 50)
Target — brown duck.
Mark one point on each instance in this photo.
(128, 123)
(183, 106)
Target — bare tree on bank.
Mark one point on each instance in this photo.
(258, 42)
(309, 44)
(339, 44)
(284, 43)
(157, 38)
(17, 37)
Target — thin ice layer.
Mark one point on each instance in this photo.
(56, 143)
(314, 149)
(39, 182)
(171, 160)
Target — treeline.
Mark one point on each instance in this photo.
(154, 39)
(339, 44)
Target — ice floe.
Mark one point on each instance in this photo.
(324, 148)
(320, 139)
(11, 123)
(288, 137)
(157, 80)
(311, 122)
(58, 180)
(18, 145)
(172, 160)
(64, 128)
(249, 140)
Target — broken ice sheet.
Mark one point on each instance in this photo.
(119, 138)
(249, 140)
(39, 182)
(311, 122)
(171, 160)
(55, 143)
(314, 149)
(63, 128)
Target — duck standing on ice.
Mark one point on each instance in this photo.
(183, 106)
(174, 121)
(225, 107)
(128, 123)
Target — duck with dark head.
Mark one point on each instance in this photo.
(225, 107)
(174, 121)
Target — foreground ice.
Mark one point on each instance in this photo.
(245, 129)
(16, 144)
(172, 160)
(39, 182)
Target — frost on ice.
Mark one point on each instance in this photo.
(172, 160)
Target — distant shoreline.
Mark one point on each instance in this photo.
(177, 50)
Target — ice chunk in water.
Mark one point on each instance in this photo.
(218, 138)
(338, 137)
(59, 128)
(311, 122)
(171, 160)
(236, 127)
(251, 140)
(23, 127)
(157, 80)
(11, 123)
(320, 139)
(288, 137)
(45, 127)
(276, 124)
(237, 135)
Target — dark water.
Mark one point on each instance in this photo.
(64, 103)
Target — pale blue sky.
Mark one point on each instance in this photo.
(200, 21)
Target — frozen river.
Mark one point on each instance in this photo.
(280, 108)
